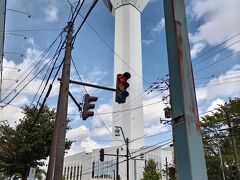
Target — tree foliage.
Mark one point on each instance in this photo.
(28, 144)
(216, 137)
(150, 171)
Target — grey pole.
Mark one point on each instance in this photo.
(127, 158)
(135, 169)
(117, 165)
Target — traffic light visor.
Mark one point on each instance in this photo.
(124, 77)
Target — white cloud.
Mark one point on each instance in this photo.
(160, 26)
(78, 133)
(154, 129)
(11, 114)
(219, 21)
(101, 132)
(107, 118)
(153, 112)
(86, 145)
(226, 85)
(196, 49)
(147, 42)
(215, 104)
(11, 71)
(51, 13)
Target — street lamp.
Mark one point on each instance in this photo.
(117, 133)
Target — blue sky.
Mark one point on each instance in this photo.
(210, 22)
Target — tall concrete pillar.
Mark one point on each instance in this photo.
(128, 58)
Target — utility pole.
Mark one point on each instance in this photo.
(55, 168)
(190, 160)
(127, 150)
(234, 145)
(117, 165)
(3, 4)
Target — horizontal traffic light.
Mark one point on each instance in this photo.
(121, 87)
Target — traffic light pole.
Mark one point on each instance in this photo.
(55, 168)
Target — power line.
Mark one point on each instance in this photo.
(220, 60)
(36, 30)
(212, 49)
(157, 147)
(101, 38)
(30, 68)
(206, 58)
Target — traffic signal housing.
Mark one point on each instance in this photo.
(101, 155)
(167, 112)
(121, 87)
(87, 106)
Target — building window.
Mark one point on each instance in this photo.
(67, 173)
(74, 172)
(65, 169)
(104, 169)
(77, 172)
(71, 173)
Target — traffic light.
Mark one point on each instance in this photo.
(87, 106)
(234, 170)
(172, 172)
(167, 112)
(121, 87)
(101, 157)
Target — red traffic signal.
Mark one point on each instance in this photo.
(101, 155)
(121, 87)
(87, 106)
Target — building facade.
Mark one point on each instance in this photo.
(86, 166)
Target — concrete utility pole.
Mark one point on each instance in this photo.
(234, 145)
(190, 159)
(55, 168)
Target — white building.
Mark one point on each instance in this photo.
(86, 166)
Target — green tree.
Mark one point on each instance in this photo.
(28, 144)
(150, 171)
(216, 136)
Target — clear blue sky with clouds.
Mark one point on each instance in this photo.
(216, 66)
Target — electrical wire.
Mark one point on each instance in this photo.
(219, 44)
(104, 124)
(102, 39)
(157, 147)
(219, 51)
(30, 69)
(219, 60)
